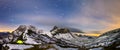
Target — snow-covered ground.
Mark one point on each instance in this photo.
(16, 46)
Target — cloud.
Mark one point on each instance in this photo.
(113, 15)
(6, 27)
(87, 16)
(37, 19)
(99, 15)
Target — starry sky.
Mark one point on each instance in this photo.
(86, 15)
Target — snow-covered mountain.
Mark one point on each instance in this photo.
(31, 35)
(59, 40)
(108, 40)
(3, 36)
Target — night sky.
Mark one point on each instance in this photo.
(86, 15)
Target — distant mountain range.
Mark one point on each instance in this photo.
(31, 35)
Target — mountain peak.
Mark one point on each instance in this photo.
(111, 32)
(21, 28)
